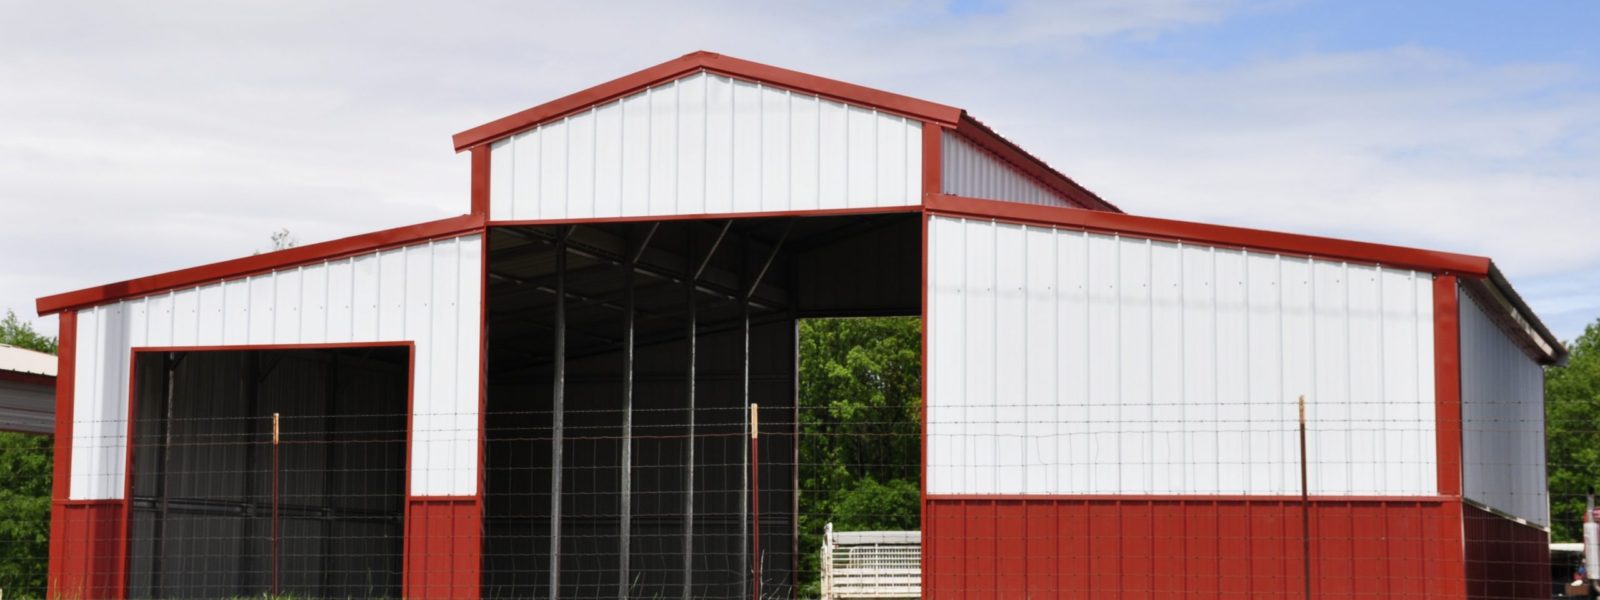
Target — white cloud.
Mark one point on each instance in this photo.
(145, 137)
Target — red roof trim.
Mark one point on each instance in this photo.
(986, 138)
(1271, 241)
(260, 263)
(716, 63)
(28, 378)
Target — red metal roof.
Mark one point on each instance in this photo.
(1104, 217)
(922, 110)
(259, 263)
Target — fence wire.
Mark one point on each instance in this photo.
(220, 510)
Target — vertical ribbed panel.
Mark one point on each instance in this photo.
(1063, 362)
(1502, 414)
(425, 293)
(707, 144)
(975, 173)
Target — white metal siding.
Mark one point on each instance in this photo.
(970, 171)
(427, 293)
(1062, 362)
(1502, 413)
(707, 144)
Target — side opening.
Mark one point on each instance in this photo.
(224, 506)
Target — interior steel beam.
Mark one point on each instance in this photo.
(771, 256)
(658, 264)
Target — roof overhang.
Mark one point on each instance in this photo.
(1513, 315)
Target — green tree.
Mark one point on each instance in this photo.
(860, 416)
(25, 470)
(1572, 433)
(16, 332)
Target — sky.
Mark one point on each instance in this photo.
(139, 137)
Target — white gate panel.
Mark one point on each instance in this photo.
(1065, 362)
(428, 294)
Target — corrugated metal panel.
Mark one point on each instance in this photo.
(973, 172)
(1502, 413)
(707, 144)
(1194, 547)
(1063, 362)
(1504, 558)
(426, 293)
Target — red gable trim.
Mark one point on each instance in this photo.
(1238, 237)
(716, 63)
(986, 138)
(260, 263)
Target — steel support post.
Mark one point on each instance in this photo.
(744, 475)
(688, 491)
(625, 519)
(169, 365)
(558, 415)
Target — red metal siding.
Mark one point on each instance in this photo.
(1199, 547)
(1505, 559)
(85, 559)
(443, 547)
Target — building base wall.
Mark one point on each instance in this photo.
(443, 547)
(86, 549)
(1196, 547)
(1505, 558)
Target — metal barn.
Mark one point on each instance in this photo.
(551, 396)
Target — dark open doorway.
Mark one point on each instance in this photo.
(222, 509)
(657, 494)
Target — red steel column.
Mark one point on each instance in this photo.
(1449, 541)
(932, 186)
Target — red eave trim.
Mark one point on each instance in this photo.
(986, 138)
(716, 63)
(260, 263)
(1221, 235)
(28, 378)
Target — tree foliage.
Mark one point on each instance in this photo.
(860, 417)
(16, 332)
(25, 470)
(1572, 433)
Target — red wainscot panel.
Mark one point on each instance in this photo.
(86, 552)
(1505, 558)
(1190, 547)
(442, 548)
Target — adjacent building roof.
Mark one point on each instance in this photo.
(22, 361)
(27, 390)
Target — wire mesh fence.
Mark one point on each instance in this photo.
(661, 501)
